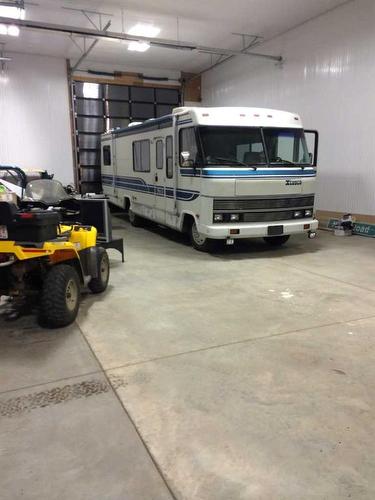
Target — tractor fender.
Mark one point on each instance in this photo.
(88, 259)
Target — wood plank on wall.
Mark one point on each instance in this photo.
(325, 215)
(124, 79)
(192, 87)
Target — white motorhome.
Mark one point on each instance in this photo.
(217, 173)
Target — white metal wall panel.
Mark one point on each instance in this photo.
(34, 115)
(329, 79)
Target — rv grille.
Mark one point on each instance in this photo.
(263, 203)
(267, 216)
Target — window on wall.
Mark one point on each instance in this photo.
(141, 156)
(107, 155)
(169, 156)
(159, 154)
(188, 144)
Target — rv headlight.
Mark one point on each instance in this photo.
(218, 217)
(308, 213)
(234, 217)
(298, 214)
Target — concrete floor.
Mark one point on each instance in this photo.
(248, 374)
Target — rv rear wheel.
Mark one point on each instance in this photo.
(134, 219)
(276, 241)
(198, 241)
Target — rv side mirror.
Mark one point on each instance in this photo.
(312, 137)
(185, 159)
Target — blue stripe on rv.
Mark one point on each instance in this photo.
(244, 173)
(137, 184)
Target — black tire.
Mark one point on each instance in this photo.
(134, 219)
(100, 283)
(276, 241)
(198, 241)
(60, 298)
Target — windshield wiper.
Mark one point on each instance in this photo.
(288, 162)
(233, 160)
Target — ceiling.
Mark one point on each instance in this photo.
(211, 23)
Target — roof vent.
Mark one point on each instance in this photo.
(180, 110)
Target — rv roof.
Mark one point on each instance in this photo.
(238, 116)
(223, 116)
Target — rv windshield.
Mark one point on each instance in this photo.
(244, 146)
(286, 146)
(239, 146)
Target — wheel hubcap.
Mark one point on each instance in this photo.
(198, 238)
(71, 295)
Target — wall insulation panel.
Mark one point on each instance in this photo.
(329, 78)
(34, 115)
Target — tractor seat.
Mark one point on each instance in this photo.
(7, 213)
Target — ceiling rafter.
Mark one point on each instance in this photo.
(155, 42)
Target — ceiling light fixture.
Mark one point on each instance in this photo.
(13, 30)
(147, 30)
(138, 46)
(10, 30)
(12, 11)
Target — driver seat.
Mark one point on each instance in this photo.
(253, 157)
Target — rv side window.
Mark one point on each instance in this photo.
(169, 156)
(141, 156)
(159, 154)
(107, 155)
(188, 147)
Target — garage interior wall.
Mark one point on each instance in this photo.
(328, 77)
(35, 125)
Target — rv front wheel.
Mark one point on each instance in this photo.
(198, 241)
(134, 219)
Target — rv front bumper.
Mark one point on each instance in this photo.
(256, 230)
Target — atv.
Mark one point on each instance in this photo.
(46, 258)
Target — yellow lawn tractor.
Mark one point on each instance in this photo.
(47, 262)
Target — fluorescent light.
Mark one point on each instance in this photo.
(90, 90)
(109, 39)
(138, 46)
(13, 12)
(147, 30)
(10, 30)
(13, 30)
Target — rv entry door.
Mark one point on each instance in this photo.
(159, 180)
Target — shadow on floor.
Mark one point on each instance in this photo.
(242, 249)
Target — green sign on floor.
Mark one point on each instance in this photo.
(360, 228)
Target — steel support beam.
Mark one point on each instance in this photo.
(154, 42)
(85, 54)
(20, 4)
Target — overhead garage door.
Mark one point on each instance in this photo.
(103, 106)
